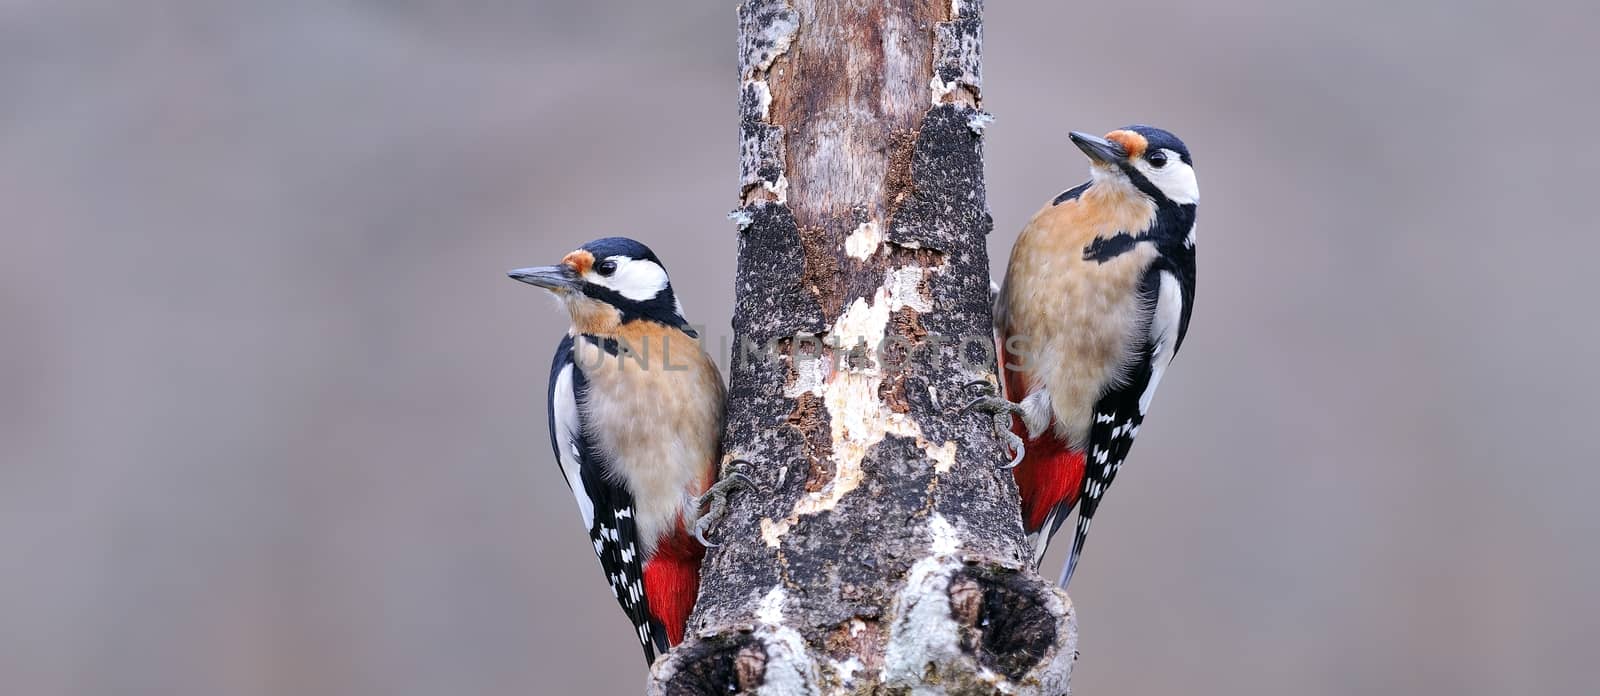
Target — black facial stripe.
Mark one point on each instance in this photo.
(609, 296)
(1171, 225)
(1103, 249)
(661, 307)
(1141, 182)
(609, 345)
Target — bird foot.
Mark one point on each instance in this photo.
(1002, 411)
(715, 499)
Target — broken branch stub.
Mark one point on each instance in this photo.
(882, 551)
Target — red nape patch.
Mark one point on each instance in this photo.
(1050, 473)
(672, 579)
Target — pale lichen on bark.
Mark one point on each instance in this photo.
(883, 550)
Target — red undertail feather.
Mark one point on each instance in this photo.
(1050, 474)
(672, 580)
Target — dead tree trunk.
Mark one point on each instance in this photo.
(882, 552)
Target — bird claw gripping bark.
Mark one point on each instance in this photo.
(1002, 411)
(717, 497)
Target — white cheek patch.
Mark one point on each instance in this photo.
(1176, 180)
(635, 279)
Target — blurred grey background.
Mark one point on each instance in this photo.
(273, 418)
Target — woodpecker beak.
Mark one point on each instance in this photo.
(553, 278)
(1099, 149)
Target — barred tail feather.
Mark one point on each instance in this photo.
(1078, 538)
(1039, 539)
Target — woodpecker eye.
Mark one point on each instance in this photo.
(1157, 159)
(606, 267)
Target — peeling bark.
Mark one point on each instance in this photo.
(883, 552)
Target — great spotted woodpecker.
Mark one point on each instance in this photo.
(1096, 301)
(636, 409)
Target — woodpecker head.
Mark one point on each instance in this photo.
(607, 283)
(1150, 159)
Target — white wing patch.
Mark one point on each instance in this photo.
(1163, 334)
(568, 427)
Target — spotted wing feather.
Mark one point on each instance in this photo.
(607, 509)
(1121, 410)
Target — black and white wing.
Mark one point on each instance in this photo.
(1167, 290)
(607, 509)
